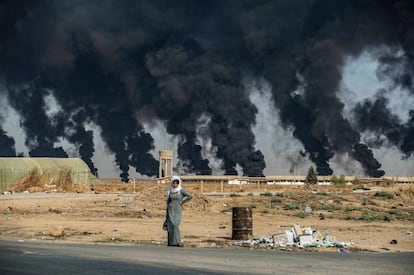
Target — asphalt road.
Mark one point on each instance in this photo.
(35, 257)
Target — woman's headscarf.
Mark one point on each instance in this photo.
(178, 188)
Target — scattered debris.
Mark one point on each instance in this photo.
(343, 250)
(293, 206)
(299, 237)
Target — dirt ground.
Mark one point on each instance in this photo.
(368, 218)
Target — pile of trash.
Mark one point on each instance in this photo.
(296, 237)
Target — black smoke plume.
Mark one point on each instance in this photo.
(121, 64)
(376, 117)
(7, 148)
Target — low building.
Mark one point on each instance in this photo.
(14, 168)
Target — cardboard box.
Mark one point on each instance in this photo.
(280, 239)
(305, 240)
(297, 229)
(289, 235)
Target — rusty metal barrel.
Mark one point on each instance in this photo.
(242, 223)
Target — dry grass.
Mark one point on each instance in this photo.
(37, 181)
(407, 195)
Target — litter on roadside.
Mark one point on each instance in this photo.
(297, 236)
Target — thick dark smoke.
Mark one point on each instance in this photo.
(42, 131)
(375, 116)
(121, 64)
(6, 145)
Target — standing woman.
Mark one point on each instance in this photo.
(176, 198)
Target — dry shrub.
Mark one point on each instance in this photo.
(63, 181)
(37, 181)
(32, 182)
(407, 195)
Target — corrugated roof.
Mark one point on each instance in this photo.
(43, 163)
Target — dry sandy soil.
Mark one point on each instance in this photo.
(367, 217)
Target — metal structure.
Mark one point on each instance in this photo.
(166, 164)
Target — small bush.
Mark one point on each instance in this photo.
(386, 218)
(350, 209)
(330, 207)
(384, 194)
(338, 181)
(337, 201)
(393, 212)
(370, 217)
(276, 200)
(300, 214)
(311, 178)
(266, 194)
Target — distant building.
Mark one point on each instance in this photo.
(286, 180)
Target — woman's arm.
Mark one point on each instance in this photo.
(187, 196)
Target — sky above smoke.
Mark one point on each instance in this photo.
(233, 87)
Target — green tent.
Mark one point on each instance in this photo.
(12, 169)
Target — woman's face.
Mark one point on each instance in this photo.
(175, 183)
